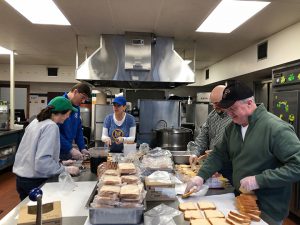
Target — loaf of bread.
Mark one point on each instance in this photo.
(187, 206)
(211, 213)
(127, 168)
(193, 214)
(199, 222)
(246, 204)
(206, 205)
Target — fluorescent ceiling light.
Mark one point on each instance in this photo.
(230, 14)
(39, 11)
(5, 51)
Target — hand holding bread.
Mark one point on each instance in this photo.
(196, 183)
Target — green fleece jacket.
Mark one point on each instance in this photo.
(270, 152)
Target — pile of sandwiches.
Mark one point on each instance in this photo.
(119, 187)
(206, 213)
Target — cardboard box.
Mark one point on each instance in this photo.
(158, 191)
(51, 214)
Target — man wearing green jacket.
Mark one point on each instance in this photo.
(264, 150)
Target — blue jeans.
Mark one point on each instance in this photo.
(25, 185)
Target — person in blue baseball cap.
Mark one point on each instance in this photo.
(37, 158)
(119, 127)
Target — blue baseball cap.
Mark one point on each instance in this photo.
(120, 100)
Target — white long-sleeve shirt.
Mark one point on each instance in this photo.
(38, 152)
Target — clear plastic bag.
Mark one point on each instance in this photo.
(161, 215)
(66, 183)
(192, 148)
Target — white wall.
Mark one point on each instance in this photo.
(38, 73)
(283, 47)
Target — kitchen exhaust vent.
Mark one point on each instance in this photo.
(262, 50)
(135, 60)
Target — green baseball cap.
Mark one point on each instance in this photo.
(61, 103)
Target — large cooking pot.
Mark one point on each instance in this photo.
(173, 139)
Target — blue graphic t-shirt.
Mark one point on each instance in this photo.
(115, 131)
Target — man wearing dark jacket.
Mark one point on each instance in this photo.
(71, 129)
(264, 150)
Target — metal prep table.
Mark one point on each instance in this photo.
(86, 175)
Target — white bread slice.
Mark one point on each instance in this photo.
(252, 216)
(200, 222)
(210, 213)
(187, 206)
(230, 221)
(206, 205)
(239, 217)
(193, 214)
(218, 221)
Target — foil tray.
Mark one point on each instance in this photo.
(114, 215)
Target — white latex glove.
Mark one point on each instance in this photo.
(85, 152)
(193, 159)
(107, 141)
(249, 183)
(73, 170)
(194, 183)
(76, 154)
(119, 140)
(68, 162)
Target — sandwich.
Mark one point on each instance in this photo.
(127, 168)
(129, 179)
(109, 190)
(111, 180)
(130, 191)
(199, 222)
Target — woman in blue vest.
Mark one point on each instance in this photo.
(119, 127)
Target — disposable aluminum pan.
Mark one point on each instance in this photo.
(114, 215)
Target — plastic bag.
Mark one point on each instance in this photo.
(66, 183)
(161, 215)
(192, 148)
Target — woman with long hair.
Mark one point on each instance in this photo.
(37, 157)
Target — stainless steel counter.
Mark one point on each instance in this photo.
(86, 175)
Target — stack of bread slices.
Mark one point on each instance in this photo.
(246, 205)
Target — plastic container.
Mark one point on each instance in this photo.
(98, 156)
(129, 148)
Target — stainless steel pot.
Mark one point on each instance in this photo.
(173, 139)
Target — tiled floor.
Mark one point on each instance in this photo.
(9, 196)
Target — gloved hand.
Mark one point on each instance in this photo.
(249, 183)
(193, 159)
(194, 183)
(85, 152)
(76, 154)
(68, 162)
(119, 140)
(107, 141)
(73, 170)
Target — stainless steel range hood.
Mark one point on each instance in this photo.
(135, 60)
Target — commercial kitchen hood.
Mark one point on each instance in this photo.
(135, 60)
